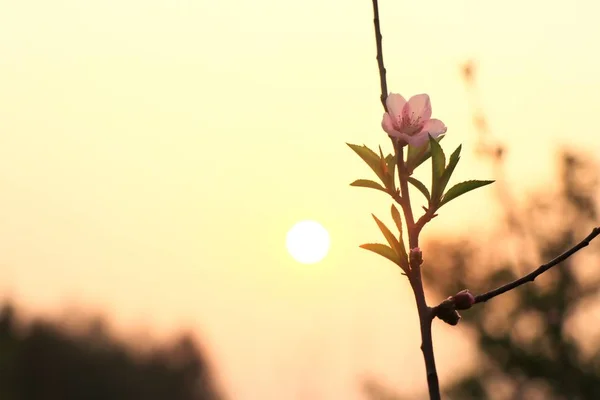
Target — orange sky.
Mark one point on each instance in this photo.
(154, 153)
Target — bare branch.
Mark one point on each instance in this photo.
(482, 298)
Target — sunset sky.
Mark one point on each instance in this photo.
(153, 155)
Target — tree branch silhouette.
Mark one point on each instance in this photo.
(446, 310)
(482, 298)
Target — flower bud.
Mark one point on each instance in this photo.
(416, 257)
(446, 311)
(463, 300)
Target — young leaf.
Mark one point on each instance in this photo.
(438, 166)
(454, 158)
(398, 220)
(418, 155)
(383, 165)
(461, 188)
(389, 236)
(368, 184)
(438, 158)
(384, 251)
(390, 159)
(370, 157)
(422, 188)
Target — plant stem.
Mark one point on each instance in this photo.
(425, 320)
(416, 282)
(414, 275)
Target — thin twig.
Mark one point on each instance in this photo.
(482, 298)
(378, 41)
(425, 218)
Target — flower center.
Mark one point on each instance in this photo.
(411, 125)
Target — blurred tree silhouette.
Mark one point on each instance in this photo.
(530, 347)
(42, 361)
(537, 341)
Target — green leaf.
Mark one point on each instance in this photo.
(389, 236)
(461, 188)
(415, 154)
(389, 182)
(454, 158)
(368, 184)
(422, 188)
(384, 251)
(370, 157)
(418, 155)
(390, 159)
(398, 220)
(438, 166)
(438, 158)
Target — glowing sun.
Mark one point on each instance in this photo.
(307, 242)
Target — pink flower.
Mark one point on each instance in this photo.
(411, 120)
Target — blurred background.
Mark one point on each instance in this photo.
(153, 155)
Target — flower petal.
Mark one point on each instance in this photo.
(402, 137)
(419, 139)
(394, 103)
(387, 123)
(434, 127)
(419, 106)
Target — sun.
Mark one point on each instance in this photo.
(307, 242)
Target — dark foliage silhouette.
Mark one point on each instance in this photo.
(530, 347)
(42, 361)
